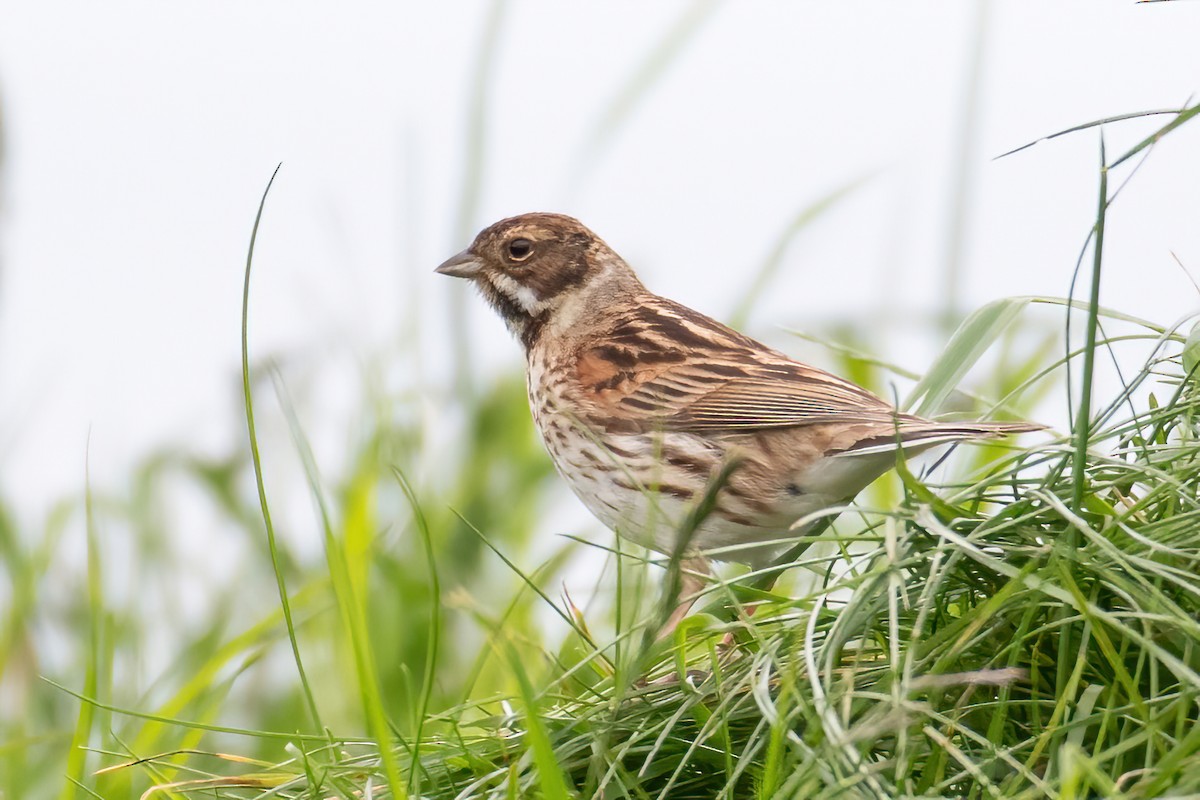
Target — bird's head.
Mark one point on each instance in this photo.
(540, 270)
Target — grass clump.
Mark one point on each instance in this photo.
(924, 662)
(1026, 627)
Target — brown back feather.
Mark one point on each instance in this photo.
(668, 367)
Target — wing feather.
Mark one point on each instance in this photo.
(755, 403)
(671, 368)
(664, 366)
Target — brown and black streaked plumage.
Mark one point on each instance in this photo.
(641, 400)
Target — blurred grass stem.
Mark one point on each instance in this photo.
(963, 177)
(474, 170)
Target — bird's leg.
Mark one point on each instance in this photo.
(694, 573)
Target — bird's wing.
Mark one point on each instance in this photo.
(755, 403)
(671, 368)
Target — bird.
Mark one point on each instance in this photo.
(648, 407)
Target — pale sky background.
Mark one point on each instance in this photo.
(139, 137)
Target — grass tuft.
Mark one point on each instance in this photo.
(1021, 623)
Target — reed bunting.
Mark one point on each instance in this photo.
(642, 401)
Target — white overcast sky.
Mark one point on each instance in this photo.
(139, 136)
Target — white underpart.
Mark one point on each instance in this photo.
(653, 519)
(523, 296)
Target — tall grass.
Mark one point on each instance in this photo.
(1025, 624)
(925, 660)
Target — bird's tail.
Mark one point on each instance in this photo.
(917, 435)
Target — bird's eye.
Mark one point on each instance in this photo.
(520, 249)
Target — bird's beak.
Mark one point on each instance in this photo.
(464, 265)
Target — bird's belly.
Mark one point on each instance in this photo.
(620, 481)
(643, 487)
(654, 512)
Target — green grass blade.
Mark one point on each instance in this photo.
(1083, 420)
(972, 339)
(1093, 124)
(774, 260)
(281, 736)
(77, 754)
(1181, 117)
(348, 566)
(550, 777)
(435, 624)
(638, 86)
(257, 460)
(471, 190)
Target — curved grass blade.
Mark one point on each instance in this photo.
(472, 186)
(1182, 116)
(1083, 420)
(1191, 352)
(976, 334)
(550, 776)
(283, 736)
(770, 266)
(77, 755)
(351, 599)
(644, 77)
(1093, 124)
(435, 623)
(256, 458)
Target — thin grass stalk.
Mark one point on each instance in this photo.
(770, 265)
(673, 583)
(1182, 116)
(583, 634)
(435, 624)
(280, 582)
(351, 604)
(77, 755)
(1065, 677)
(964, 174)
(1184, 113)
(472, 186)
(552, 782)
(488, 652)
(281, 736)
(637, 87)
